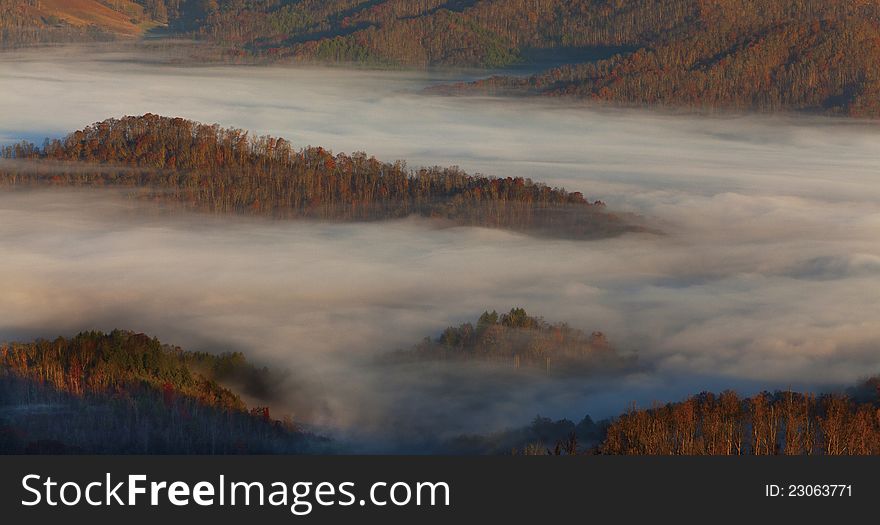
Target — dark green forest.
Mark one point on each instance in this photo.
(208, 168)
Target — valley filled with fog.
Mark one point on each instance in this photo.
(765, 273)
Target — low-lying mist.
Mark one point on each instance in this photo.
(767, 274)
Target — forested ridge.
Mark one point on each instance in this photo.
(227, 171)
(123, 392)
(518, 340)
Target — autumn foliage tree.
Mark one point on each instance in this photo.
(765, 424)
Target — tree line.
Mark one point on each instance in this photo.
(765, 424)
(226, 171)
(769, 55)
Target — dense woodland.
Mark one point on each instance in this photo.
(226, 171)
(518, 340)
(127, 393)
(769, 55)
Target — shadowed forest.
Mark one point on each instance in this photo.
(516, 339)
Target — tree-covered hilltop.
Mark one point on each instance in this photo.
(226, 171)
(127, 393)
(518, 340)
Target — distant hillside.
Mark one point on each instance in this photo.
(725, 424)
(787, 423)
(225, 171)
(127, 393)
(767, 55)
(24, 22)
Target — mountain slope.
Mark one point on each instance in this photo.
(85, 13)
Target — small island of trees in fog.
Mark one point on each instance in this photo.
(518, 340)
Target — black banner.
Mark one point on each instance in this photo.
(312, 489)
